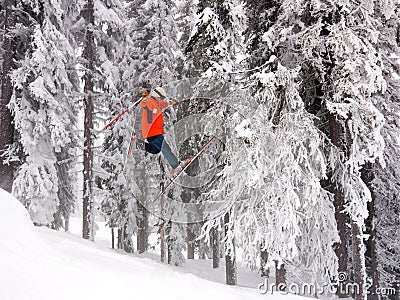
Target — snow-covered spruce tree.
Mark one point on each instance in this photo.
(215, 44)
(272, 182)
(175, 237)
(67, 158)
(44, 114)
(214, 50)
(119, 201)
(261, 15)
(15, 21)
(153, 36)
(125, 185)
(336, 46)
(184, 12)
(189, 148)
(383, 251)
(153, 51)
(146, 60)
(100, 36)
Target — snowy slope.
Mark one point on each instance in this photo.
(38, 263)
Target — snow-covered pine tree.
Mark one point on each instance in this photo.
(146, 60)
(44, 115)
(153, 36)
(189, 148)
(215, 44)
(154, 46)
(67, 158)
(175, 237)
(214, 50)
(102, 34)
(133, 53)
(272, 184)
(260, 16)
(119, 202)
(123, 190)
(183, 13)
(342, 75)
(383, 251)
(355, 68)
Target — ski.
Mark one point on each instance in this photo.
(185, 167)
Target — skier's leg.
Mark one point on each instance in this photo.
(154, 144)
(158, 142)
(169, 155)
(151, 149)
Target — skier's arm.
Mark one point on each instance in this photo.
(174, 102)
(163, 104)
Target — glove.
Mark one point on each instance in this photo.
(174, 102)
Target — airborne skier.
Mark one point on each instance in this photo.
(152, 127)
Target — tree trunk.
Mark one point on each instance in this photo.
(373, 272)
(222, 244)
(190, 241)
(336, 133)
(65, 191)
(190, 236)
(66, 223)
(371, 255)
(215, 247)
(143, 228)
(341, 247)
(162, 226)
(169, 251)
(162, 242)
(124, 240)
(230, 259)
(6, 119)
(280, 277)
(112, 238)
(119, 238)
(202, 249)
(358, 262)
(88, 53)
(264, 270)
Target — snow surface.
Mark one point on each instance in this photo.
(39, 263)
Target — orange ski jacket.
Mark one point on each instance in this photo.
(152, 118)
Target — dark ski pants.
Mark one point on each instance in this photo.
(157, 144)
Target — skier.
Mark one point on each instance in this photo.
(152, 127)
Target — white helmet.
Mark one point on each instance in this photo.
(159, 92)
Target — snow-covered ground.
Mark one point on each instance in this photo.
(200, 268)
(42, 264)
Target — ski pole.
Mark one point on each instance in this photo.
(120, 115)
